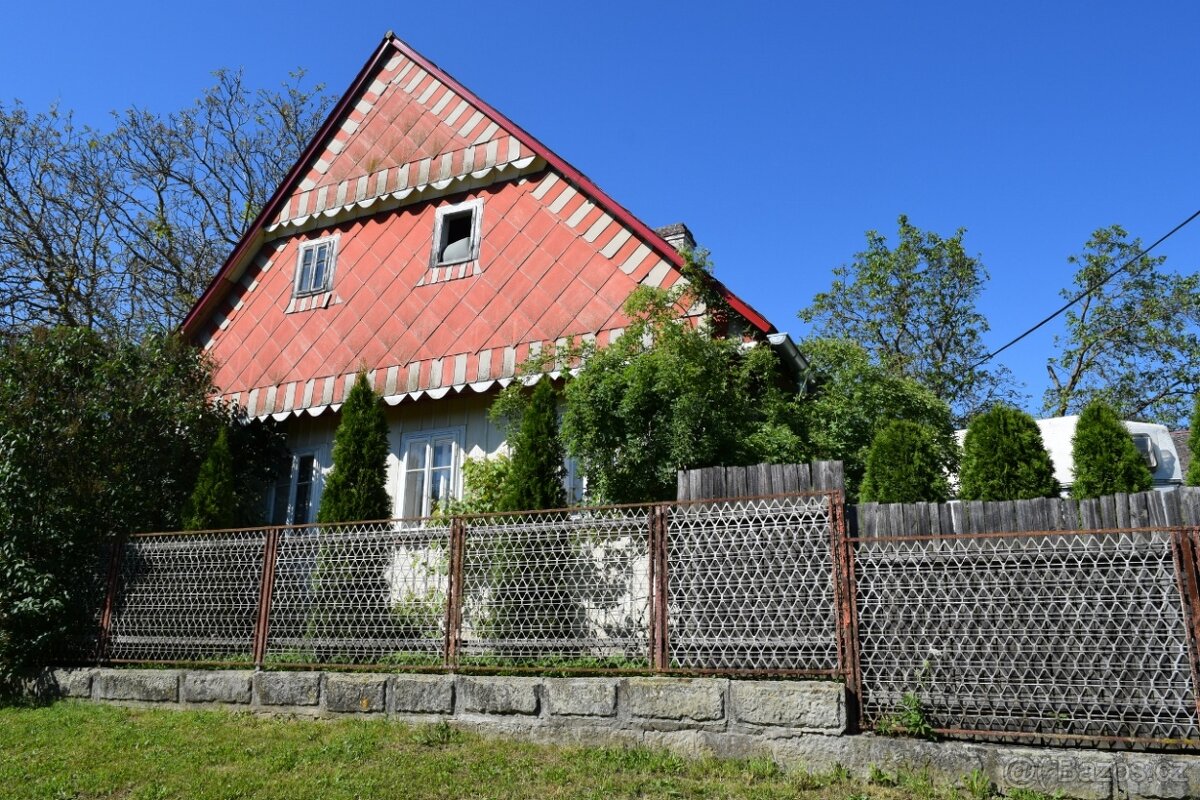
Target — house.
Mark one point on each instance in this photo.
(427, 239)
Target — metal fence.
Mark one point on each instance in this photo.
(1058, 636)
(740, 586)
(1080, 636)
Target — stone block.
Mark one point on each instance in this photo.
(217, 686)
(495, 695)
(1143, 776)
(287, 688)
(361, 694)
(696, 699)
(806, 705)
(422, 694)
(144, 685)
(72, 682)
(1078, 774)
(581, 697)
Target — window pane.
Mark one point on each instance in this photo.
(456, 237)
(305, 270)
(304, 481)
(416, 454)
(443, 450)
(439, 489)
(414, 495)
(318, 281)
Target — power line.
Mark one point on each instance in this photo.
(1087, 292)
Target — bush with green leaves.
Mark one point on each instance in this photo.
(99, 438)
(850, 397)
(905, 465)
(1004, 458)
(1105, 459)
(670, 395)
(356, 487)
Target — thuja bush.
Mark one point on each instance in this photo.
(1004, 458)
(905, 465)
(1105, 458)
(1193, 473)
(212, 503)
(356, 488)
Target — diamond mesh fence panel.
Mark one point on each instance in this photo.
(558, 589)
(1070, 634)
(369, 593)
(188, 597)
(750, 585)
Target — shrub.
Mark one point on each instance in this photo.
(535, 473)
(99, 438)
(212, 503)
(905, 465)
(1106, 460)
(1004, 458)
(356, 487)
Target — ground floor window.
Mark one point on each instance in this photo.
(430, 464)
(294, 497)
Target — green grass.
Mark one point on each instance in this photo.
(81, 751)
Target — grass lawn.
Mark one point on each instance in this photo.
(81, 750)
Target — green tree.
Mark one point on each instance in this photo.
(99, 438)
(1132, 339)
(851, 397)
(1004, 458)
(912, 308)
(1193, 473)
(671, 395)
(213, 504)
(535, 474)
(905, 465)
(356, 487)
(1105, 459)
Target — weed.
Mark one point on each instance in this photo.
(908, 720)
(978, 785)
(877, 777)
(437, 734)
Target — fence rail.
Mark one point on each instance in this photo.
(1081, 635)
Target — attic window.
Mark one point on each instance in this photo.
(1146, 448)
(456, 233)
(314, 266)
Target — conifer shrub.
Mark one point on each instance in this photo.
(1193, 474)
(1004, 458)
(212, 504)
(1106, 460)
(535, 474)
(356, 487)
(905, 465)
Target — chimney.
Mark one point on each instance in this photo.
(678, 236)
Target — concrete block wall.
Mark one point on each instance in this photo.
(799, 724)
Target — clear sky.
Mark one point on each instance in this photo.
(779, 132)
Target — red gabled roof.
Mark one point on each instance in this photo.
(252, 240)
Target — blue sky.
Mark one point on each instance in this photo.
(779, 132)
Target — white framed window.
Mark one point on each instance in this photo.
(314, 266)
(294, 498)
(456, 233)
(430, 471)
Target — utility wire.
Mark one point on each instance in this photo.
(1087, 292)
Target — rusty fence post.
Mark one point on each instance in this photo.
(659, 632)
(1185, 547)
(266, 591)
(111, 586)
(846, 608)
(454, 593)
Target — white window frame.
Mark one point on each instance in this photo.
(440, 230)
(298, 290)
(314, 495)
(456, 436)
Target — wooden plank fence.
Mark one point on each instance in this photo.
(760, 480)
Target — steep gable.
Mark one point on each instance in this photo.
(556, 256)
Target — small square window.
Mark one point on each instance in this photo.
(456, 234)
(314, 266)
